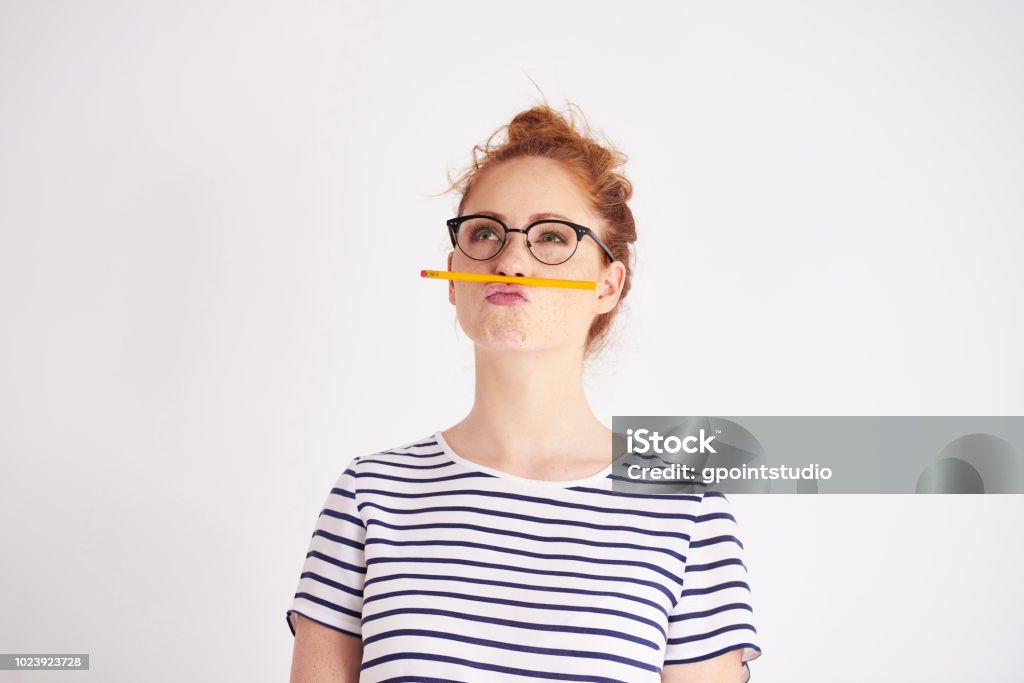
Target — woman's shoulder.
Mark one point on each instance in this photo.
(405, 458)
(421, 447)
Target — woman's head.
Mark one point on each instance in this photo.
(546, 167)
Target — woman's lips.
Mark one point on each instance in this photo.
(503, 294)
(506, 299)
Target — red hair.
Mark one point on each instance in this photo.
(543, 132)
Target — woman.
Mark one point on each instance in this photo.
(495, 550)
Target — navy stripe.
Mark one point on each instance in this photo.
(517, 585)
(715, 589)
(659, 482)
(531, 499)
(554, 652)
(528, 518)
(338, 539)
(490, 667)
(328, 604)
(712, 655)
(528, 553)
(412, 467)
(343, 493)
(424, 480)
(708, 613)
(333, 584)
(412, 455)
(330, 626)
(658, 488)
(341, 515)
(547, 572)
(531, 537)
(694, 497)
(335, 561)
(711, 634)
(516, 624)
(715, 539)
(714, 565)
(521, 603)
(715, 515)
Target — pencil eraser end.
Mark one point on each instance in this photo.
(423, 273)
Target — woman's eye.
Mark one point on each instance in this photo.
(551, 237)
(483, 234)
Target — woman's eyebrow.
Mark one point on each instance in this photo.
(531, 219)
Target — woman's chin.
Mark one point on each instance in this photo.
(514, 335)
(503, 338)
(505, 342)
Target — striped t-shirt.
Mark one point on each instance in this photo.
(450, 570)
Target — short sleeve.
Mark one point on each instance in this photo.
(330, 589)
(714, 614)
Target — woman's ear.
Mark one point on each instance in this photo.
(609, 287)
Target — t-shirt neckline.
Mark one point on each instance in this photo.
(595, 478)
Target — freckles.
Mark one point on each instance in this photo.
(553, 315)
(557, 318)
(505, 326)
(505, 330)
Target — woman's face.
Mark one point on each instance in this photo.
(515, 191)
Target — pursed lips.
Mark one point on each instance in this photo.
(508, 291)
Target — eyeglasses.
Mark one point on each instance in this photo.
(551, 241)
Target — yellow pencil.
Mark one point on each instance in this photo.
(531, 281)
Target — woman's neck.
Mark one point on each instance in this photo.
(530, 409)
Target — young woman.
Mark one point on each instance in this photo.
(496, 549)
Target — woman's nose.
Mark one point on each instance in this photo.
(514, 255)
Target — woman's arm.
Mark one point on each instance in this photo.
(322, 654)
(727, 668)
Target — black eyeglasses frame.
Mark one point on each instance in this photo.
(581, 232)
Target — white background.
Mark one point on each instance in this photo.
(213, 217)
